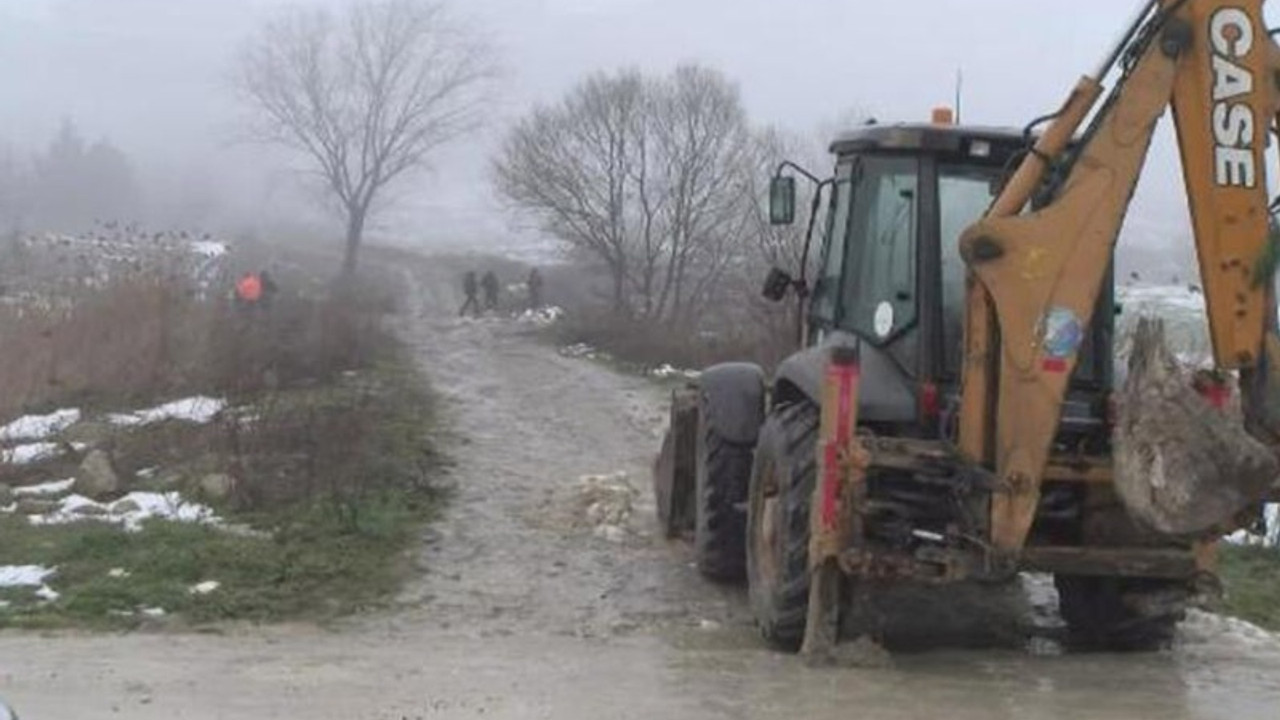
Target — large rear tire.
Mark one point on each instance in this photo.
(780, 493)
(1120, 614)
(723, 470)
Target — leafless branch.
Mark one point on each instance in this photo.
(365, 97)
(643, 173)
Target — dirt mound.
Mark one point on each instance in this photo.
(605, 503)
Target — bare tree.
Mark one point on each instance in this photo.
(782, 245)
(777, 246)
(15, 195)
(643, 173)
(364, 97)
(704, 136)
(577, 167)
(73, 183)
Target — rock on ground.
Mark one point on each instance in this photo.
(97, 478)
(125, 507)
(217, 486)
(36, 506)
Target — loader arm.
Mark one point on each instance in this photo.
(1036, 275)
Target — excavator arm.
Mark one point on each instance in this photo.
(1039, 257)
(1225, 99)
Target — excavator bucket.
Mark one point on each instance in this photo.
(674, 469)
(1184, 464)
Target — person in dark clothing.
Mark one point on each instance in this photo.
(470, 287)
(490, 283)
(535, 289)
(269, 289)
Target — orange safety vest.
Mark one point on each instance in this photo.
(249, 288)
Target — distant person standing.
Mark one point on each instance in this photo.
(471, 288)
(248, 290)
(490, 283)
(534, 284)
(269, 289)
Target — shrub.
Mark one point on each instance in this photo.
(150, 336)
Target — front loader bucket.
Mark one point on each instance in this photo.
(674, 469)
(1184, 464)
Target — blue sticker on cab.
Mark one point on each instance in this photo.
(1063, 332)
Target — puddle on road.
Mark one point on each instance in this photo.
(1220, 670)
(733, 675)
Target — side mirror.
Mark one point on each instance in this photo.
(782, 200)
(776, 284)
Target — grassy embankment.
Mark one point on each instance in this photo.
(1251, 581)
(325, 450)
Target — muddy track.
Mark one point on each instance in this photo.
(520, 610)
(516, 551)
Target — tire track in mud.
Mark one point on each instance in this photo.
(516, 553)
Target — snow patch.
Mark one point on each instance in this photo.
(585, 351)
(541, 317)
(666, 370)
(1269, 535)
(57, 487)
(30, 453)
(209, 248)
(1201, 626)
(204, 588)
(39, 427)
(197, 409)
(29, 576)
(1181, 309)
(24, 575)
(118, 573)
(1170, 296)
(129, 511)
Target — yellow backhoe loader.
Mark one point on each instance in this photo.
(953, 412)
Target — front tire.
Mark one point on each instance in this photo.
(782, 481)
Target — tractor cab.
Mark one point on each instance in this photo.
(888, 270)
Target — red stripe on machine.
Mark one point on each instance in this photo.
(846, 378)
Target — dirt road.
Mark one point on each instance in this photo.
(521, 610)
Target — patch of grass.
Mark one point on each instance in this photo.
(310, 568)
(334, 541)
(1251, 577)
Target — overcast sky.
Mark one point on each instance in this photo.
(149, 75)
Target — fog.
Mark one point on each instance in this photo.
(151, 76)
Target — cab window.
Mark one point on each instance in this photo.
(826, 291)
(964, 194)
(880, 291)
